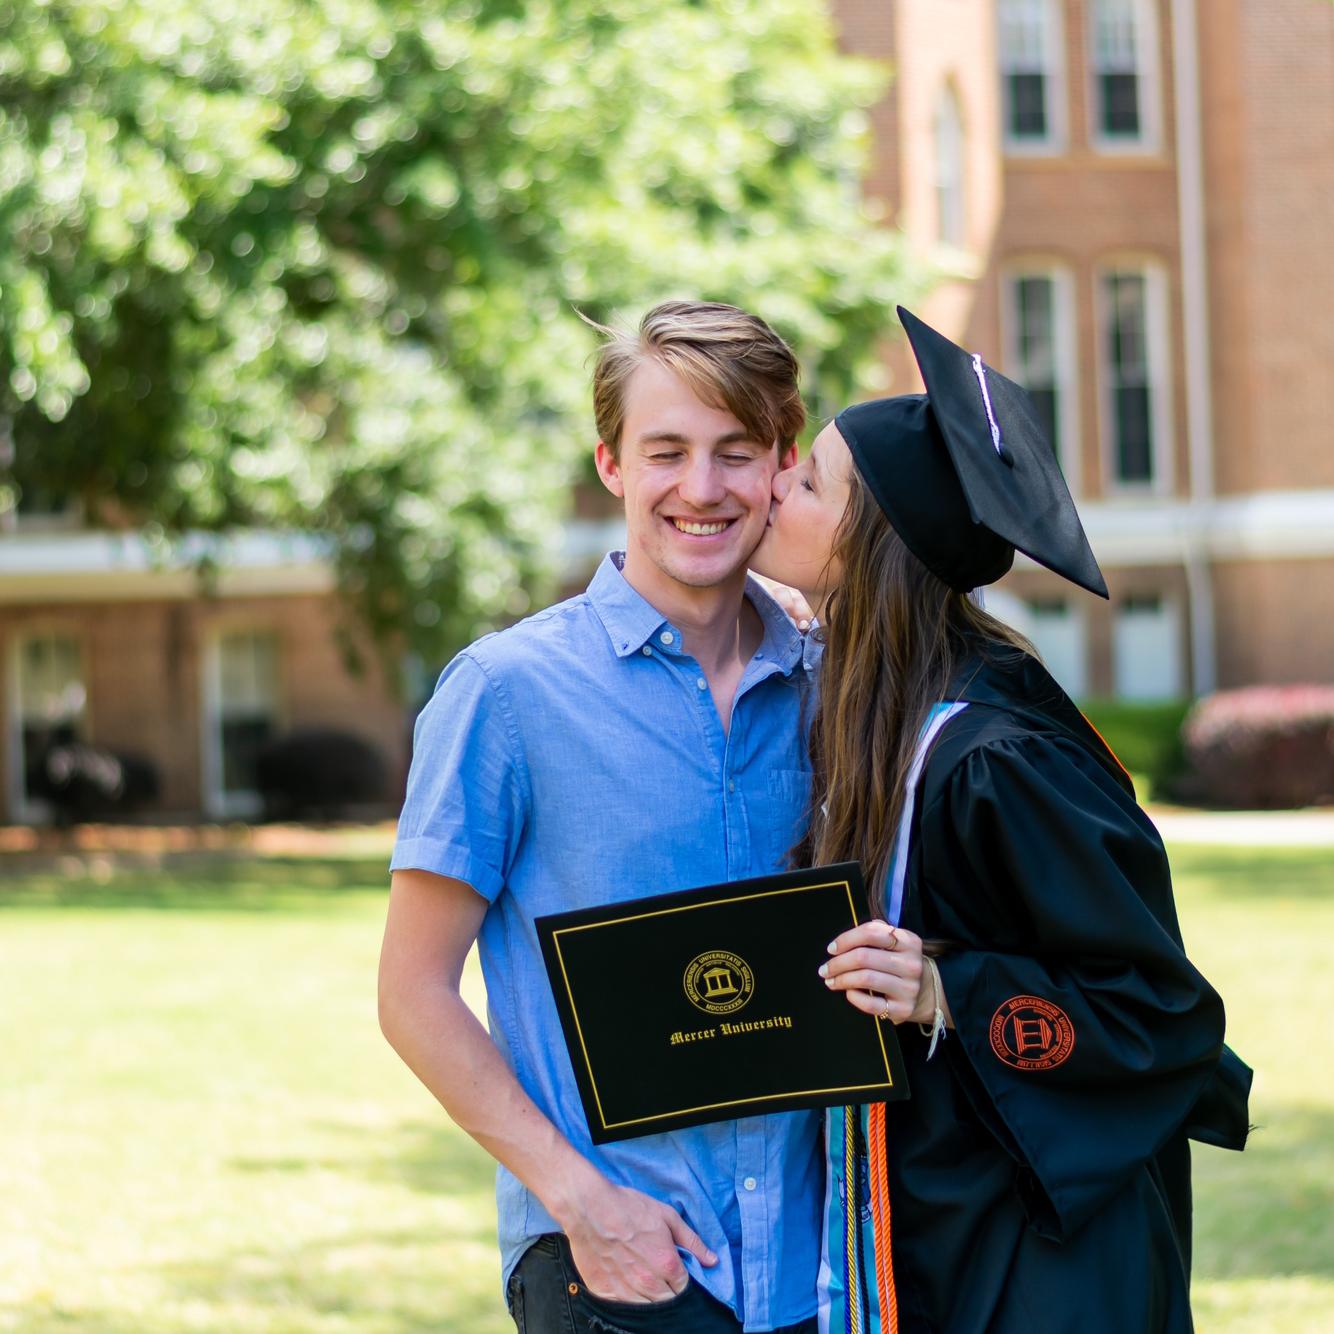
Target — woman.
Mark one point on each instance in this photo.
(1037, 1179)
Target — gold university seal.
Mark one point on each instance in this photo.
(718, 982)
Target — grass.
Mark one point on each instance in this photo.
(203, 1129)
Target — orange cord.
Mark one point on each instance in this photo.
(880, 1216)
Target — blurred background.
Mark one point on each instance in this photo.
(294, 403)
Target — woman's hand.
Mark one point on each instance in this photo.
(790, 599)
(880, 969)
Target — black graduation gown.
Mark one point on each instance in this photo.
(1039, 1173)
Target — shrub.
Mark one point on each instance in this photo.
(321, 774)
(83, 782)
(1145, 737)
(1261, 747)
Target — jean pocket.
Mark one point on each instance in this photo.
(621, 1317)
(514, 1301)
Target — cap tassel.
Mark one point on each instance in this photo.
(980, 371)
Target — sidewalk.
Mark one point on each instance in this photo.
(1246, 829)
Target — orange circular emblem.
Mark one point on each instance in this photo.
(1029, 1033)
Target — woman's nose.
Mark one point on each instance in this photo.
(781, 483)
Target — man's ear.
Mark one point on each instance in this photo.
(608, 469)
(789, 457)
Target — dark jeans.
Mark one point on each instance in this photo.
(547, 1296)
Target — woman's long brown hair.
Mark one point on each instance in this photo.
(895, 636)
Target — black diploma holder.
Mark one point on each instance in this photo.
(706, 1004)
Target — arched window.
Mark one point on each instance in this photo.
(949, 143)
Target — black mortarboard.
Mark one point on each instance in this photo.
(965, 473)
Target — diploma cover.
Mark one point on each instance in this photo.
(705, 1004)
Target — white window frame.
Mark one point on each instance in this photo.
(1157, 334)
(22, 808)
(1075, 615)
(1170, 608)
(217, 802)
(1149, 73)
(1065, 351)
(948, 98)
(1052, 23)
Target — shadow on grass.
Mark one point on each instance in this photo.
(193, 881)
(371, 1280)
(434, 1159)
(1237, 873)
(431, 1277)
(1269, 1211)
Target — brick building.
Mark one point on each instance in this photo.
(1138, 195)
(99, 643)
(1137, 203)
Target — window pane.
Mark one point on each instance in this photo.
(1134, 445)
(1115, 39)
(949, 169)
(1025, 35)
(249, 673)
(242, 740)
(1120, 104)
(1130, 353)
(248, 705)
(1035, 349)
(52, 696)
(1044, 400)
(1028, 106)
(1034, 302)
(51, 686)
(1128, 376)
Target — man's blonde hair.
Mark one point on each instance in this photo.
(730, 359)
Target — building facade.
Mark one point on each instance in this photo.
(1135, 196)
(101, 644)
(1134, 204)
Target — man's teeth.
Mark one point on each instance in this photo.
(699, 529)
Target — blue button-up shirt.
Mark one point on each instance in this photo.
(577, 759)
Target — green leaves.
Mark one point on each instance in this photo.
(315, 263)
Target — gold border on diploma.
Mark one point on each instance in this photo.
(735, 1102)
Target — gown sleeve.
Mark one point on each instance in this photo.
(1083, 1035)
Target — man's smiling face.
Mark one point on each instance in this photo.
(696, 485)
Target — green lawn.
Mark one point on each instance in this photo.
(201, 1128)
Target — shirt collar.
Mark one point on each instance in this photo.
(631, 621)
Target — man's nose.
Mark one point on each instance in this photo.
(702, 484)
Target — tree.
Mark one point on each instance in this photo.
(317, 263)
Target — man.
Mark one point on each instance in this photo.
(640, 738)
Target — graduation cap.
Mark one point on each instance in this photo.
(965, 472)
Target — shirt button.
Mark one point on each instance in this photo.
(666, 636)
(750, 1183)
(702, 683)
(731, 787)
(646, 651)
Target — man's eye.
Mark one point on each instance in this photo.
(737, 458)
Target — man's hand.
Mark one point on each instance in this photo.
(624, 1244)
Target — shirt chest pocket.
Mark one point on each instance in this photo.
(776, 814)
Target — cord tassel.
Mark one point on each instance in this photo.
(851, 1279)
(881, 1218)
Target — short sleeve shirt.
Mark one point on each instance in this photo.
(577, 759)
